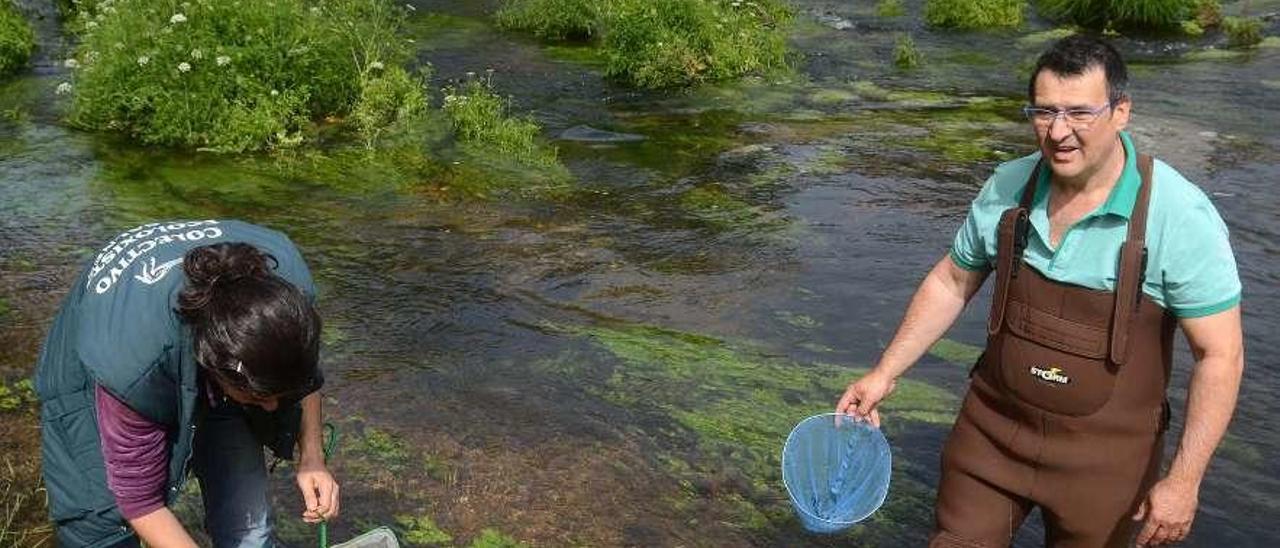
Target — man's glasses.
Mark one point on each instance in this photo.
(1075, 117)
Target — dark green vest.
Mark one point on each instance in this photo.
(118, 328)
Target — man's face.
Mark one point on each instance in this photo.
(1076, 151)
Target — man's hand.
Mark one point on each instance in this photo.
(319, 491)
(1169, 510)
(862, 396)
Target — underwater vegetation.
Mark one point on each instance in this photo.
(738, 403)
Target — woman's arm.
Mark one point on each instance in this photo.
(161, 529)
(137, 465)
(319, 490)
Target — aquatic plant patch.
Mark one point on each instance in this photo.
(1242, 32)
(890, 8)
(974, 14)
(555, 19)
(664, 43)
(16, 39)
(739, 403)
(484, 126)
(227, 76)
(1119, 14)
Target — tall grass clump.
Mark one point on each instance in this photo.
(974, 14)
(482, 124)
(554, 19)
(669, 43)
(229, 75)
(391, 102)
(1242, 32)
(16, 39)
(905, 54)
(1119, 14)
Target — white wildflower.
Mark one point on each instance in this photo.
(71, 63)
(91, 25)
(274, 93)
(197, 54)
(376, 65)
(143, 60)
(178, 18)
(222, 60)
(63, 88)
(410, 7)
(315, 11)
(184, 66)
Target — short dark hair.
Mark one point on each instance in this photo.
(1075, 55)
(251, 328)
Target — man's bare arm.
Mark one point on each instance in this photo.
(937, 303)
(1217, 342)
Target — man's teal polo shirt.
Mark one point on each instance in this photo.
(1190, 267)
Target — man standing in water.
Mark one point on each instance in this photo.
(1099, 254)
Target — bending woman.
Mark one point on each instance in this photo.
(184, 346)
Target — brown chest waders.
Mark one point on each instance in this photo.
(1066, 409)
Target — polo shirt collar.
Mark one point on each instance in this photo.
(1123, 196)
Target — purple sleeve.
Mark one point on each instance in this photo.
(134, 450)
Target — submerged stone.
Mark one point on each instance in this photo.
(588, 134)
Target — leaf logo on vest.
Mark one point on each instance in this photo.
(142, 243)
(1053, 374)
(152, 273)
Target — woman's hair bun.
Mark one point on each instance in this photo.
(209, 266)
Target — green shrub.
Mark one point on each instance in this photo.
(227, 75)
(1242, 32)
(974, 14)
(905, 55)
(553, 19)
(1191, 28)
(1106, 14)
(667, 43)
(16, 39)
(481, 124)
(391, 101)
(890, 8)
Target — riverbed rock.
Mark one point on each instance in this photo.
(588, 134)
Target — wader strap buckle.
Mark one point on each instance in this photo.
(1011, 244)
(1132, 268)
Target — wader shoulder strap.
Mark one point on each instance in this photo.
(1011, 241)
(1132, 267)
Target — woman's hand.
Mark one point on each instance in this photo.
(319, 492)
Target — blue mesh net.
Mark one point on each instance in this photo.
(836, 471)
